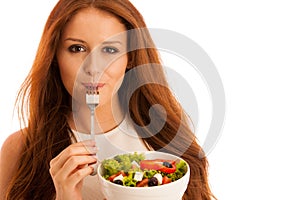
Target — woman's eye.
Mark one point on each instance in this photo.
(110, 50)
(76, 48)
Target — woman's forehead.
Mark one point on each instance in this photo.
(91, 23)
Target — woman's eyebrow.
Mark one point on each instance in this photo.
(75, 40)
(112, 42)
(104, 43)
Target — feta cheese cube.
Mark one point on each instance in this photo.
(138, 176)
(159, 178)
(120, 177)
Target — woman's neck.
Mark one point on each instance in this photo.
(107, 117)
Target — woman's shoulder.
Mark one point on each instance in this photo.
(10, 154)
(11, 150)
(13, 143)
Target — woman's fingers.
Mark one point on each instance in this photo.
(70, 188)
(76, 149)
(73, 165)
(80, 148)
(77, 176)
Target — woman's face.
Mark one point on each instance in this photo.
(93, 52)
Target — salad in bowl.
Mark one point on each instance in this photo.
(144, 175)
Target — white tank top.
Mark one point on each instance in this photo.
(120, 140)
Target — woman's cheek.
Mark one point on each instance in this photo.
(68, 73)
(117, 69)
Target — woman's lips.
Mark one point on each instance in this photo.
(94, 85)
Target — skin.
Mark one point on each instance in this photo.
(10, 153)
(105, 63)
(97, 55)
(90, 30)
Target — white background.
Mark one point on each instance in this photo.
(255, 46)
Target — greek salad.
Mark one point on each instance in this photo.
(133, 170)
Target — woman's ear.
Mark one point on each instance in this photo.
(54, 62)
(129, 65)
(130, 61)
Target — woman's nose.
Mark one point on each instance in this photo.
(92, 70)
(93, 65)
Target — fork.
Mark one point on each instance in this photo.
(92, 100)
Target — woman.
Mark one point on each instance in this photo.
(51, 158)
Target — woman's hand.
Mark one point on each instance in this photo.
(70, 167)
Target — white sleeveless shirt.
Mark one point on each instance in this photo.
(122, 139)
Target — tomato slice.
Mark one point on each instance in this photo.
(157, 164)
(142, 183)
(112, 177)
(168, 170)
(166, 180)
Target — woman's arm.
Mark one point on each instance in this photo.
(70, 167)
(10, 154)
(67, 169)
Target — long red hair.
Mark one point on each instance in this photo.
(44, 101)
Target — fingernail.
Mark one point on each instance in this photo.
(94, 168)
(93, 171)
(92, 150)
(89, 142)
(95, 149)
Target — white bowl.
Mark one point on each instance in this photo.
(170, 191)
